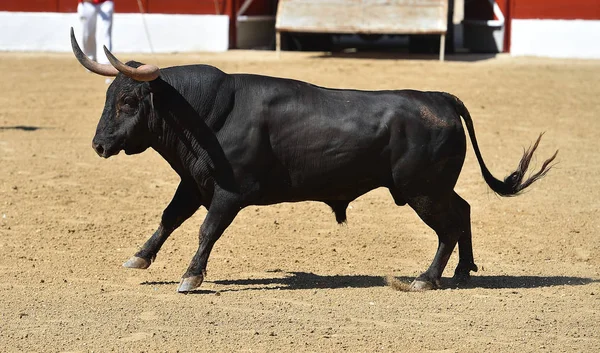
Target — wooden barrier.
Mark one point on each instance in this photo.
(363, 16)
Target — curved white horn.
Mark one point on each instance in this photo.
(142, 73)
(100, 69)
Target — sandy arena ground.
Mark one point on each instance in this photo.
(287, 277)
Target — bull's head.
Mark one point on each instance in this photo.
(124, 121)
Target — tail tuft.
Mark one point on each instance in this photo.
(514, 183)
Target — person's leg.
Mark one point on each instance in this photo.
(87, 14)
(106, 10)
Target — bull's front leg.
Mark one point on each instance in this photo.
(223, 209)
(184, 204)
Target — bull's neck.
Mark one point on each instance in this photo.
(180, 148)
(184, 130)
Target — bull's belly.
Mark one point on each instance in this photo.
(309, 185)
(329, 193)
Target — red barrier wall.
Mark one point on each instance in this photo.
(555, 9)
(533, 9)
(205, 7)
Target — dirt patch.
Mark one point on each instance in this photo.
(287, 277)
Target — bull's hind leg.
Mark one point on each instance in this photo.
(448, 216)
(183, 205)
(466, 263)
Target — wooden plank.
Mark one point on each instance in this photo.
(363, 16)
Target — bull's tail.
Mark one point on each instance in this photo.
(514, 183)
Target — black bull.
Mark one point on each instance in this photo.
(240, 140)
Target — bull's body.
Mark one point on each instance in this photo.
(287, 140)
(239, 140)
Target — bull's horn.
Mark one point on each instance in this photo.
(100, 69)
(142, 73)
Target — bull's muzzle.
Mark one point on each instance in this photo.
(99, 149)
(106, 149)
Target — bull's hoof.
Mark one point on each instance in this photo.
(188, 284)
(461, 278)
(419, 285)
(137, 262)
(462, 274)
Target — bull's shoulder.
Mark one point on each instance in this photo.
(192, 70)
(268, 85)
(197, 78)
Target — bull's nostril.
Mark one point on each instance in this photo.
(98, 148)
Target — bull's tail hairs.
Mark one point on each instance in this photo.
(514, 183)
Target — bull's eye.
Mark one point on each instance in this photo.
(130, 102)
(129, 105)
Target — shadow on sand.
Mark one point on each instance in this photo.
(21, 127)
(405, 56)
(524, 282)
(306, 280)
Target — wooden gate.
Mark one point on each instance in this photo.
(363, 16)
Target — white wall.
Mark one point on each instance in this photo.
(556, 38)
(31, 31)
